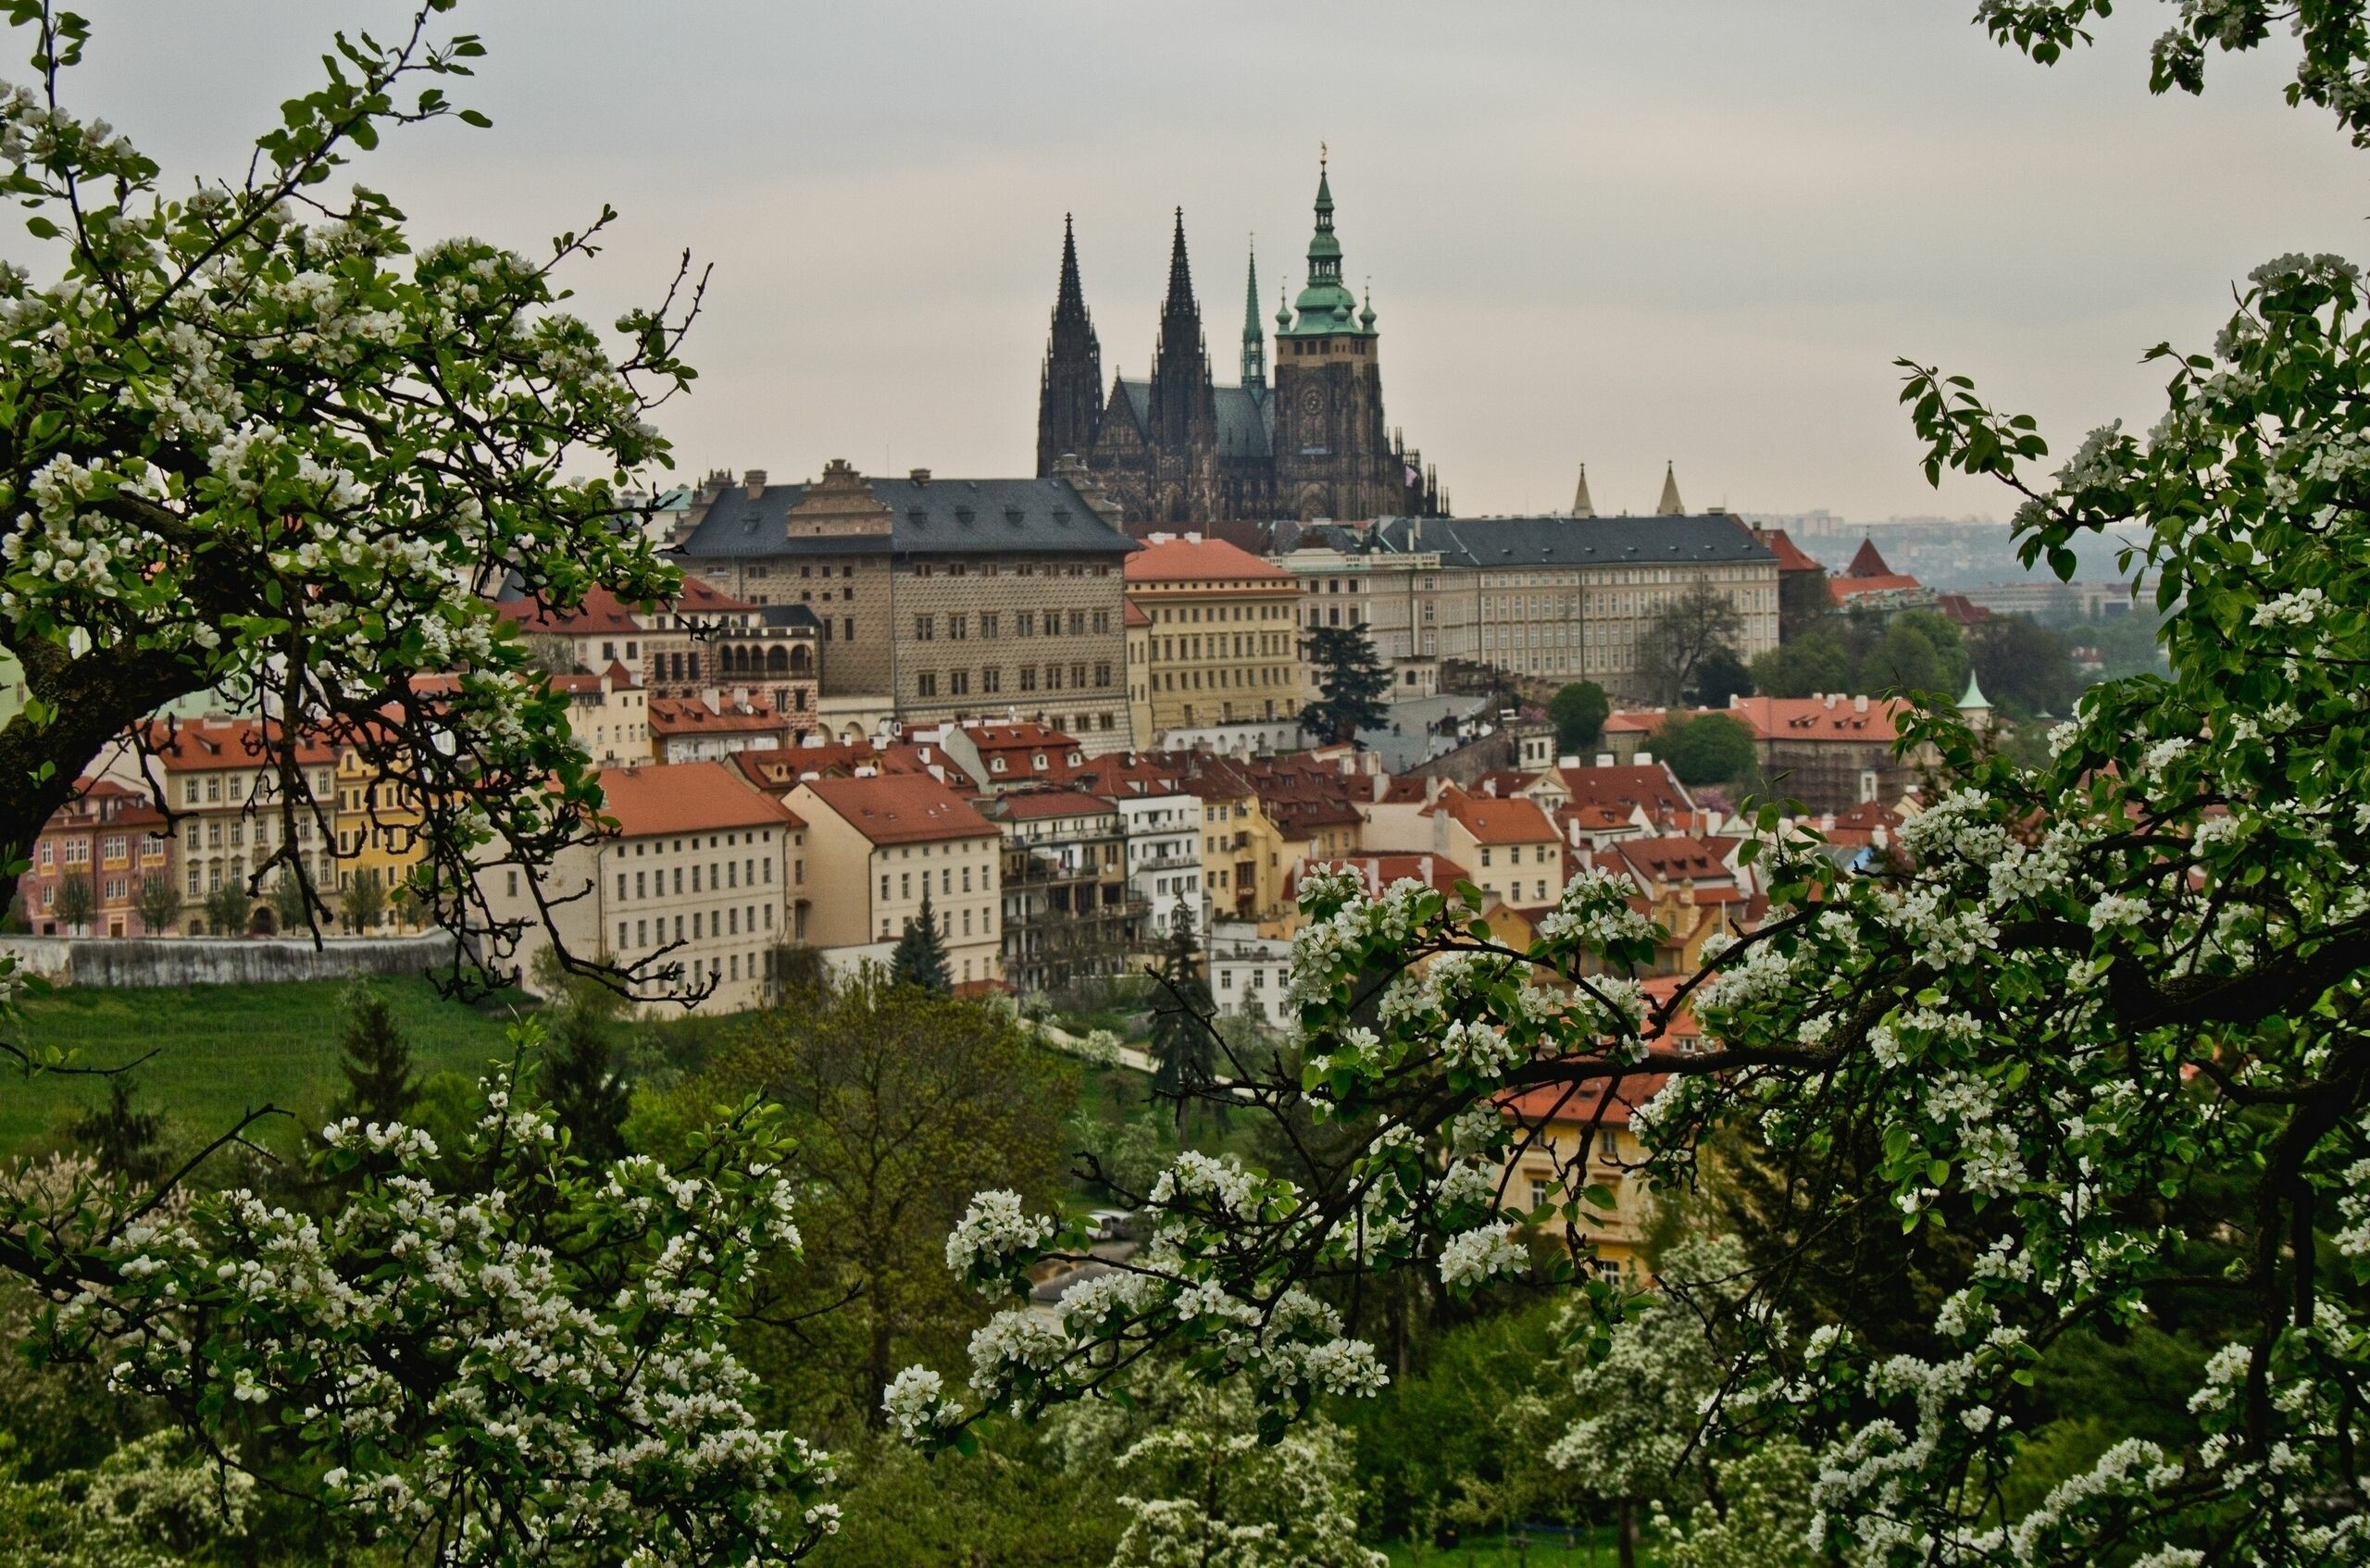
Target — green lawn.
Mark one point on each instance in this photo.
(1494, 1553)
(223, 1049)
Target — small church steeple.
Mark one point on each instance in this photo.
(1582, 506)
(1254, 337)
(1670, 505)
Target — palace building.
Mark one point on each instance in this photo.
(1177, 448)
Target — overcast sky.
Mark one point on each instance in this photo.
(1599, 232)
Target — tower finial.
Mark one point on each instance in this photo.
(1321, 156)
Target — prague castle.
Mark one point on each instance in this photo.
(1179, 449)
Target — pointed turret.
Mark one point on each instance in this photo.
(1582, 506)
(1670, 505)
(1069, 395)
(1184, 405)
(1254, 337)
(1974, 708)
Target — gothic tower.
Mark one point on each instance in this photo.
(1069, 395)
(1254, 337)
(1333, 456)
(1182, 414)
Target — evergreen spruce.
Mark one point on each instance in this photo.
(123, 1140)
(920, 957)
(1184, 1049)
(588, 1094)
(1351, 682)
(380, 1083)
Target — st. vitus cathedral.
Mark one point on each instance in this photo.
(1178, 448)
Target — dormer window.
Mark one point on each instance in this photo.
(965, 515)
(995, 765)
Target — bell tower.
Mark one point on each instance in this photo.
(1333, 456)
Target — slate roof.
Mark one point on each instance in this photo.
(930, 518)
(1574, 541)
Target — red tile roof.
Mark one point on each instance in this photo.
(1868, 561)
(1671, 859)
(1618, 790)
(1198, 558)
(692, 715)
(688, 797)
(1041, 803)
(1134, 614)
(1518, 821)
(900, 808)
(1819, 718)
(1843, 589)
(207, 746)
(603, 611)
(1790, 555)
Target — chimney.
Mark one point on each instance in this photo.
(1568, 762)
(1431, 788)
(753, 483)
(1192, 538)
(1645, 759)
(1859, 704)
(919, 476)
(1605, 759)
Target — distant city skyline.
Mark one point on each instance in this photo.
(1618, 236)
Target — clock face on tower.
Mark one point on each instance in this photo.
(1312, 402)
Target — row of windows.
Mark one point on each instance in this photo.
(703, 926)
(987, 924)
(1173, 680)
(1024, 623)
(735, 873)
(1192, 612)
(1020, 569)
(1240, 646)
(215, 787)
(946, 881)
(214, 832)
(958, 682)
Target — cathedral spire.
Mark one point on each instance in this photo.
(1181, 276)
(1069, 302)
(1582, 506)
(1254, 337)
(1670, 505)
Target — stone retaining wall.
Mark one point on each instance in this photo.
(222, 961)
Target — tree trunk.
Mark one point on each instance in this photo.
(1625, 1533)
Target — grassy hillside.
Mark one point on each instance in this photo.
(223, 1049)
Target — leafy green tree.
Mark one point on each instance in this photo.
(1721, 675)
(76, 904)
(1683, 637)
(292, 901)
(228, 908)
(376, 1060)
(1705, 747)
(157, 902)
(1762, 1517)
(1813, 661)
(361, 902)
(1803, 600)
(1184, 1049)
(1578, 711)
(2026, 667)
(1352, 684)
(154, 1502)
(125, 1140)
(905, 1102)
(919, 957)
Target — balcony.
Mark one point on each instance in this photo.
(1040, 870)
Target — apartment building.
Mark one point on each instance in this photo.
(883, 843)
(221, 780)
(1508, 847)
(1070, 909)
(695, 888)
(716, 725)
(114, 838)
(937, 600)
(1163, 833)
(1222, 648)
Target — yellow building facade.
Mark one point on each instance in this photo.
(1221, 639)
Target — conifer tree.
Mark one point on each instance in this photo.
(380, 1083)
(589, 1094)
(1184, 1053)
(1351, 685)
(920, 957)
(122, 1139)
